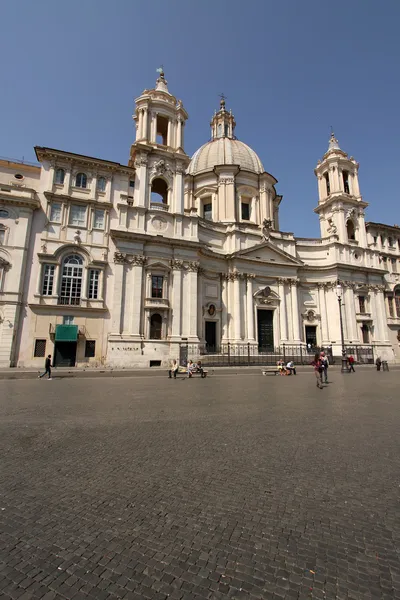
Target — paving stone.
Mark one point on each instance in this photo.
(230, 487)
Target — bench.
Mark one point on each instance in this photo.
(183, 370)
(270, 370)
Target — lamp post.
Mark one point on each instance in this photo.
(339, 294)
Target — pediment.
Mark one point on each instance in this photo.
(269, 253)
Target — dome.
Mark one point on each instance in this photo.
(224, 151)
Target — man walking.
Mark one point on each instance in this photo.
(47, 366)
(351, 364)
(325, 365)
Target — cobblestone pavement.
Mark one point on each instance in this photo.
(245, 487)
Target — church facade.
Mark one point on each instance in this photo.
(116, 265)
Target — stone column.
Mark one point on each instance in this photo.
(179, 191)
(323, 313)
(93, 186)
(200, 331)
(118, 299)
(264, 212)
(140, 125)
(145, 127)
(250, 308)
(177, 266)
(67, 180)
(282, 310)
(108, 189)
(136, 295)
(51, 178)
(375, 314)
(224, 307)
(179, 140)
(193, 268)
(237, 306)
(141, 180)
(382, 314)
(295, 310)
(350, 313)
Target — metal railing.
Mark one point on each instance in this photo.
(226, 355)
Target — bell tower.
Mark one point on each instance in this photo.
(158, 154)
(340, 204)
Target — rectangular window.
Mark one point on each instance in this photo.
(2, 236)
(48, 280)
(55, 213)
(40, 348)
(394, 265)
(397, 304)
(391, 308)
(207, 211)
(157, 286)
(94, 276)
(68, 320)
(361, 301)
(132, 183)
(77, 216)
(98, 221)
(245, 211)
(90, 348)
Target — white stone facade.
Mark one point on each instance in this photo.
(109, 265)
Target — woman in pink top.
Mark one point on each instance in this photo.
(318, 368)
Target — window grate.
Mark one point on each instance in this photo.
(40, 348)
(90, 348)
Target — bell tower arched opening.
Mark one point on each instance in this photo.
(351, 232)
(159, 191)
(162, 130)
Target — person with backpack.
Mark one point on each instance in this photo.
(47, 366)
(325, 365)
(318, 368)
(351, 364)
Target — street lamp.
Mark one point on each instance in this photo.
(339, 294)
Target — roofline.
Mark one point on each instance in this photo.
(393, 227)
(44, 149)
(11, 163)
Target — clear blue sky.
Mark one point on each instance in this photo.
(290, 68)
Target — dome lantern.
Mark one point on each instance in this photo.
(223, 122)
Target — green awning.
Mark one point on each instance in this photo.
(66, 333)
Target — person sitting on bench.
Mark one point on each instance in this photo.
(290, 368)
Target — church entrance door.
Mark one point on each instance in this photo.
(311, 336)
(211, 336)
(265, 330)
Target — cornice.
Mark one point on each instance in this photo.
(12, 199)
(147, 238)
(52, 154)
(69, 198)
(342, 198)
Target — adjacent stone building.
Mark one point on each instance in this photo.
(121, 265)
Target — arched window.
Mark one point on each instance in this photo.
(60, 174)
(155, 327)
(328, 185)
(397, 301)
(159, 191)
(351, 234)
(81, 180)
(101, 184)
(346, 182)
(71, 280)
